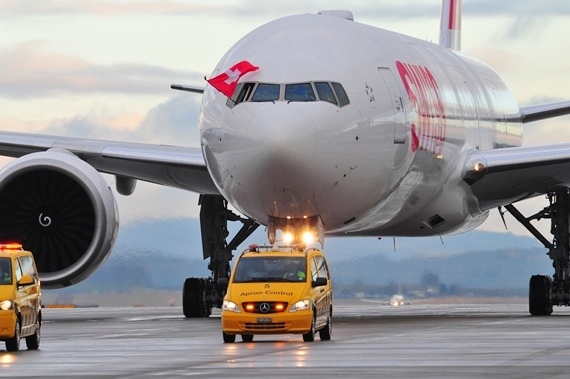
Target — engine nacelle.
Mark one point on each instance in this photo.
(62, 210)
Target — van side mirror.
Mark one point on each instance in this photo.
(223, 282)
(320, 281)
(26, 280)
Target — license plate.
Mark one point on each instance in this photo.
(264, 320)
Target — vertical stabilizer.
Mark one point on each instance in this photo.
(450, 29)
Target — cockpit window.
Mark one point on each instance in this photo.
(258, 92)
(325, 92)
(266, 92)
(341, 94)
(244, 92)
(241, 94)
(299, 92)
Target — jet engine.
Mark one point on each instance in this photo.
(62, 210)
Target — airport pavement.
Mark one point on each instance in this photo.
(370, 339)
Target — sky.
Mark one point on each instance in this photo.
(103, 68)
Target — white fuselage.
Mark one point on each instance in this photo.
(389, 162)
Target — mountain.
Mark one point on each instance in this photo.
(498, 269)
(160, 254)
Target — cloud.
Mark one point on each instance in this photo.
(257, 8)
(175, 120)
(30, 71)
(527, 18)
(489, 8)
(99, 7)
(499, 59)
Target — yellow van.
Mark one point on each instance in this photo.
(277, 290)
(20, 298)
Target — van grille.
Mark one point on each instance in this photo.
(263, 326)
(265, 307)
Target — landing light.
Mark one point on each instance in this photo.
(308, 238)
(288, 237)
(479, 167)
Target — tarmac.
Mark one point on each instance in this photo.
(369, 339)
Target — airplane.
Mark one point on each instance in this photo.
(313, 125)
(397, 300)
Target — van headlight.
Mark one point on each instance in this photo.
(230, 306)
(301, 306)
(6, 304)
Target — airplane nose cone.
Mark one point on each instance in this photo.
(280, 168)
(283, 134)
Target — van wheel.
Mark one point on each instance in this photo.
(13, 344)
(325, 333)
(310, 335)
(229, 338)
(247, 337)
(33, 341)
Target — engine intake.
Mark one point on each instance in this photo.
(62, 210)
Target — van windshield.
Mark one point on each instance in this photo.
(271, 269)
(5, 271)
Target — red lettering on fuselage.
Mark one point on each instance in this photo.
(423, 92)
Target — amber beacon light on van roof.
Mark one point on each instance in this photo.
(11, 246)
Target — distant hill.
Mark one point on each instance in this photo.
(181, 237)
(505, 268)
(160, 254)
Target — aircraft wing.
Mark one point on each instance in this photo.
(537, 112)
(503, 176)
(180, 167)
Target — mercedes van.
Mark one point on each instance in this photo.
(20, 298)
(278, 290)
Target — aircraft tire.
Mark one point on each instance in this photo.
(194, 302)
(205, 308)
(539, 302)
(191, 298)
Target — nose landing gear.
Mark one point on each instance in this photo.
(200, 295)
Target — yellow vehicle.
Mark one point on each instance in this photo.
(277, 290)
(20, 298)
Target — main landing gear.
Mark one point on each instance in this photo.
(200, 295)
(544, 291)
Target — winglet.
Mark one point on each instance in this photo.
(450, 29)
